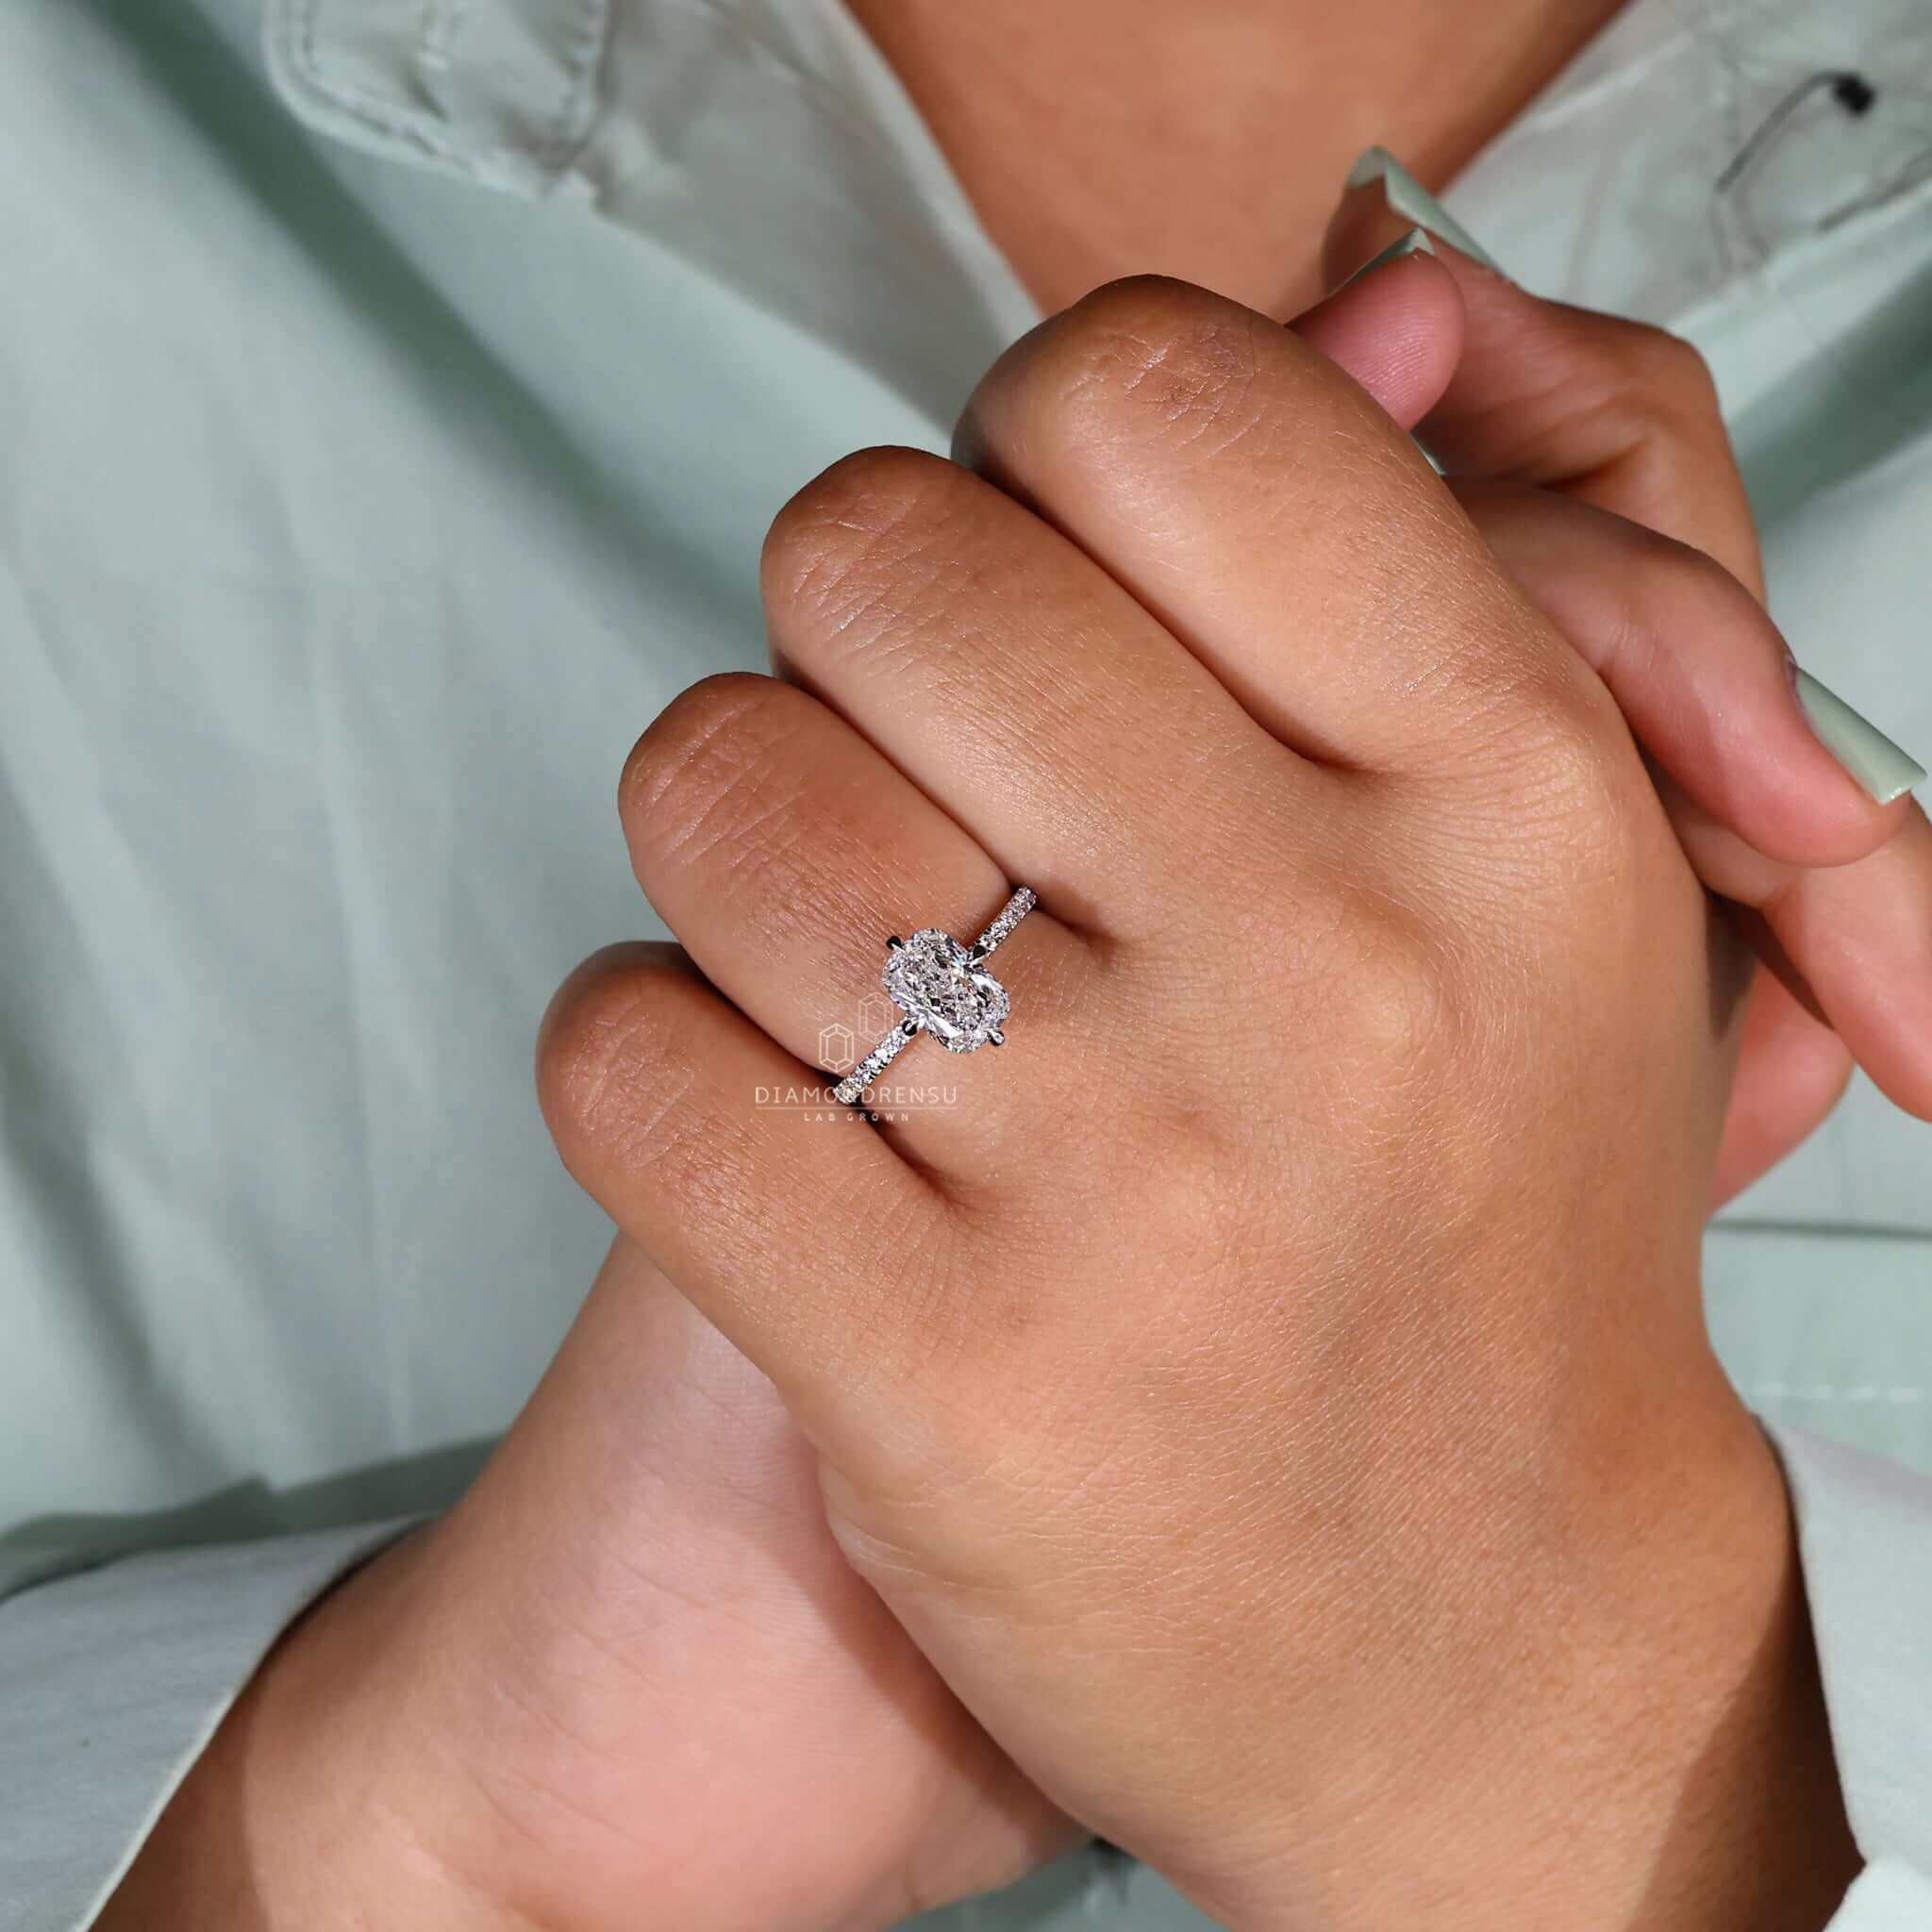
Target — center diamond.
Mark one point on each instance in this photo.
(932, 979)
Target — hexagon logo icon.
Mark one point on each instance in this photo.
(838, 1047)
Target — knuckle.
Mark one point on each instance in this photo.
(1585, 760)
(1338, 961)
(1556, 757)
(1650, 374)
(1396, 997)
(1677, 369)
(1666, 590)
(1376, 982)
(1146, 360)
(1420, 1017)
(1624, 383)
(610, 1075)
(705, 783)
(1578, 808)
(838, 546)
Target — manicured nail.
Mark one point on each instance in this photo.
(1856, 742)
(1408, 196)
(1415, 242)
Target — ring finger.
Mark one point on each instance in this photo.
(782, 848)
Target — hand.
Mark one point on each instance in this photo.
(1403, 350)
(1275, 1396)
(628, 1685)
(1577, 442)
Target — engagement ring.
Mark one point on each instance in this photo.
(943, 989)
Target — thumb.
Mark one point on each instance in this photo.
(1614, 412)
(1395, 325)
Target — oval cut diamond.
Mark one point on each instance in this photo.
(932, 979)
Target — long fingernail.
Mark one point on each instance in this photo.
(1880, 766)
(1408, 196)
(1415, 242)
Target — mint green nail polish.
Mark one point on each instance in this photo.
(1408, 196)
(1856, 742)
(1415, 242)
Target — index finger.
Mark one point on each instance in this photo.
(1616, 413)
(1259, 504)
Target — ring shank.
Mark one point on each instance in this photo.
(872, 1065)
(1016, 909)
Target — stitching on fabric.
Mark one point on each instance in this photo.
(443, 20)
(354, 101)
(1688, 33)
(385, 118)
(581, 64)
(1607, 87)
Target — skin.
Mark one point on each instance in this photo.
(1076, 129)
(1201, 1606)
(325, 1783)
(440, 1642)
(1551, 415)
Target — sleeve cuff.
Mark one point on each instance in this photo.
(116, 1679)
(119, 1677)
(1885, 1897)
(1865, 1543)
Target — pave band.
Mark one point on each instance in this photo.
(942, 988)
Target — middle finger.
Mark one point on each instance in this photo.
(1016, 683)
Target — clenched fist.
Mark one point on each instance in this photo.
(1272, 1391)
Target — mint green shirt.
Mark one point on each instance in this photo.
(392, 399)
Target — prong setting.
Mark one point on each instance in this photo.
(942, 988)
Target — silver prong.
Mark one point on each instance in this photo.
(908, 1026)
(995, 1038)
(893, 943)
(978, 951)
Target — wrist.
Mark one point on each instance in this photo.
(1645, 1743)
(301, 1810)
(1728, 1804)
(561, 1807)
(651, 1673)
(1681, 1759)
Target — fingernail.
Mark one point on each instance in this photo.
(1880, 766)
(1415, 242)
(1408, 196)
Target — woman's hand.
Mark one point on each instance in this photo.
(1274, 1395)
(628, 1685)
(1591, 453)
(705, 1444)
